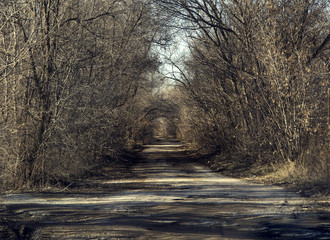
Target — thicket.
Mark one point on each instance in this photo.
(75, 79)
(255, 86)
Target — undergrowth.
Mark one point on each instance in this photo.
(310, 177)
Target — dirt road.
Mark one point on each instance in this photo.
(169, 197)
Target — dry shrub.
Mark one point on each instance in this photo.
(310, 175)
(74, 78)
(255, 85)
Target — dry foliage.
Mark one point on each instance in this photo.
(256, 82)
(75, 77)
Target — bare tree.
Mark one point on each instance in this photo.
(257, 75)
(70, 72)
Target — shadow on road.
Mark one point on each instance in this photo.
(169, 197)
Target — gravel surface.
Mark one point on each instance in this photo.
(167, 197)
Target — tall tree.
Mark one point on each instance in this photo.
(257, 75)
(70, 71)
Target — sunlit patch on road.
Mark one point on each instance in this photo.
(170, 198)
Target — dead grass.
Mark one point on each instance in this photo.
(311, 177)
(308, 179)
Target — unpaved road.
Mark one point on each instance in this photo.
(169, 198)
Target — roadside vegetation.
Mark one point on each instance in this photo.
(253, 92)
(80, 86)
(76, 78)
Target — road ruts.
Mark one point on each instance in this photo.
(170, 197)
